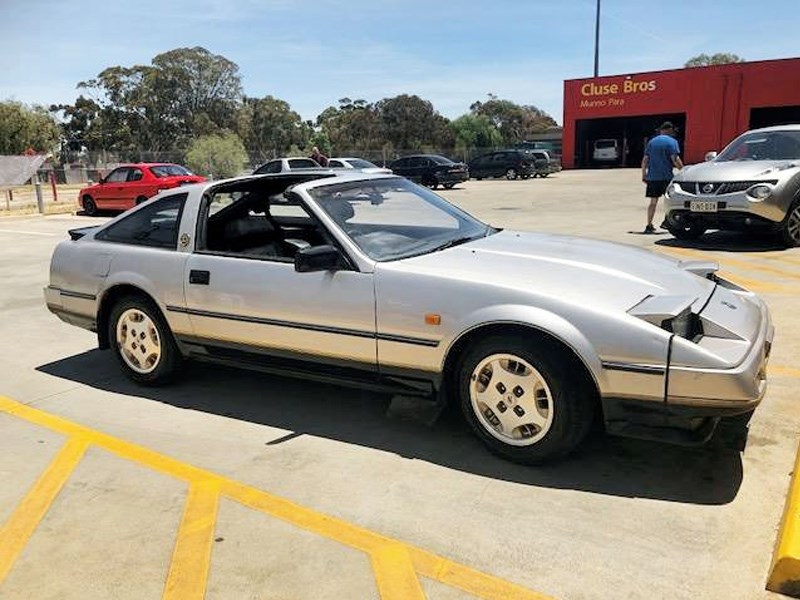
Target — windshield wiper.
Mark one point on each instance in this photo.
(455, 242)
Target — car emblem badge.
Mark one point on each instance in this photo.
(185, 240)
(708, 188)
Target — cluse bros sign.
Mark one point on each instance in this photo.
(596, 95)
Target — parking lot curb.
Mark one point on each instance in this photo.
(784, 575)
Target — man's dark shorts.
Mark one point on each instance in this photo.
(656, 189)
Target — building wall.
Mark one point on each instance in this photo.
(717, 100)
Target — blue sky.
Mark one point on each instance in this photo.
(451, 53)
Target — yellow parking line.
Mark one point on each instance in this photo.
(199, 516)
(188, 571)
(23, 522)
(395, 574)
(753, 285)
(739, 264)
(471, 581)
(783, 371)
(784, 573)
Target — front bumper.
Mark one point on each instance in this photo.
(731, 208)
(697, 399)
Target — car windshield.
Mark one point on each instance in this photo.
(770, 145)
(169, 171)
(390, 219)
(360, 163)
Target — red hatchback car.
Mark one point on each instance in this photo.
(129, 185)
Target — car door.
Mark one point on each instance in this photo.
(255, 304)
(112, 191)
(138, 187)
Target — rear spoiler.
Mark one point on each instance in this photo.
(76, 234)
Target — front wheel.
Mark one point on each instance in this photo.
(684, 228)
(511, 174)
(142, 341)
(89, 206)
(521, 399)
(790, 228)
(448, 186)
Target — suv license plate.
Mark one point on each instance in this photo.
(703, 206)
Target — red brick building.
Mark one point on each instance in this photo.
(709, 105)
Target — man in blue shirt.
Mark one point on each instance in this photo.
(661, 154)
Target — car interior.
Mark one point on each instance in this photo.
(259, 219)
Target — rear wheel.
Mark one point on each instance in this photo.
(684, 228)
(790, 228)
(142, 341)
(511, 173)
(523, 400)
(89, 206)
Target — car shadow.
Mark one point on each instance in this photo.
(709, 475)
(728, 241)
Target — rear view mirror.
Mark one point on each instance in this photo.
(710, 156)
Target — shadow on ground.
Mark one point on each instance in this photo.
(604, 465)
(728, 241)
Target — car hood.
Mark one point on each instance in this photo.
(584, 271)
(738, 170)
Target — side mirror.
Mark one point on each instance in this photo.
(318, 258)
(710, 156)
(101, 180)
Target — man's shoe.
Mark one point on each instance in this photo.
(649, 229)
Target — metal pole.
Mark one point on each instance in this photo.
(39, 199)
(53, 185)
(597, 41)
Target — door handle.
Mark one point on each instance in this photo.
(199, 277)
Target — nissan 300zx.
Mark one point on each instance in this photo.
(371, 280)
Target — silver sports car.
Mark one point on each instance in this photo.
(374, 281)
(753, 184)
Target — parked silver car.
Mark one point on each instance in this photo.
(377, 282)
(753, 184)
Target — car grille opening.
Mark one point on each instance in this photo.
(717, 188)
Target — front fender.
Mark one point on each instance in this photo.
(534, 318)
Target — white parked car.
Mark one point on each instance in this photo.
(606, 151)
(284, 165)
(356, 163)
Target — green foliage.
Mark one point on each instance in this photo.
(220, 155)
(269, 127)
(721, 58)
(409, 122)
(514, 122)
(473, 132)
(352, 127)
(184, 93)
(24, 128)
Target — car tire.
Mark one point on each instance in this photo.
(688, 229)
(89, 206)
(449, 186)
(511, 174)
(553, 409)
(790, 227)
(543, 175)
(142, 341)
(141, 199)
